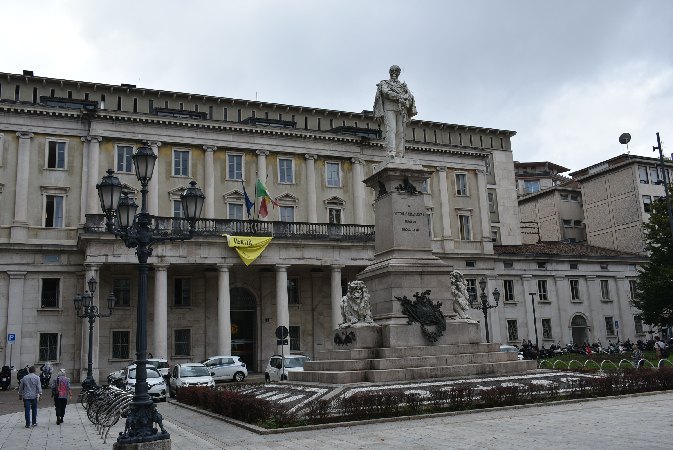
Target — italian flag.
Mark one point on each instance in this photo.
(260, 191)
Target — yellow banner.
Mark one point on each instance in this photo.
(248, 247)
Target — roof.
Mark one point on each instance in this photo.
(617, 162)
(569, 186)
(561, 248)
(550, 165)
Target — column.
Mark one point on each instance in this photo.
(358, 192)
(15, 317)
(160, 342)
(224, 310)
(627, 325)
(335, 294)
(282, 308)
(563, 304)
(593, 300)
(261, 172)
(93, 206)
(318, 331)
(528, 287)
(19, 231)
(91, 270)
(209, 184)
(484, 211)
(85, 181)
(310, 189)
(153, 194)
(444, 208)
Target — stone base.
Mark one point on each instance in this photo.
(163, 444)
(367, 336)
(457, 332)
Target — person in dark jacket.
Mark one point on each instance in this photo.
(62, 393)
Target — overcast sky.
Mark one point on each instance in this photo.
(568, 76)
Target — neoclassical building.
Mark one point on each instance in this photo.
(58, 137)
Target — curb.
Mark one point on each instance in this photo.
(324, 426)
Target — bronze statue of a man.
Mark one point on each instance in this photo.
(395, 104)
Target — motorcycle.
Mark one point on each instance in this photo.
(5, 377)
(45, 375)
(22, 372)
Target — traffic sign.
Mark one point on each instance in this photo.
(281, 342)
(11, 338)
(282, 332)
(617, 324)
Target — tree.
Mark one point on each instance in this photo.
(654, 292)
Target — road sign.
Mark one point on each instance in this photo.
(11, 338)
(281, 342)
(617, 324)
(282, 332)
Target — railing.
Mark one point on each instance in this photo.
(95, 223)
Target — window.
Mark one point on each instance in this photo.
(647, 203)
(295, 338)
(120, 344)
(53, 211)
(334, 215)
(609, 326)
(574, 198)
(508, 264)
(638, 321)
(48, 347)
(564, 197)
(512, 330)
(574, 290)
(471, 263)
(642, 174)
(465, 227)
(286, 213)
(56, 154)
(633, 286)
(542, 290)
(293, 291)
(181, 163)
(495, 234)
(121, 289)
(654, 175)
(578, 223)
(285, 171)
(604, 267)
(235, 211)
(182, 292)
(508, 288)
(182, 342)
(491, 202)
(574, 266)
(51, 293)
(541, 265)
(567, 223)
(124, 161)
(546, 329)
(605, 290)
(234, 166)
(471, 288)
(531, 186)
(461, 184)
(333, 174)
(425, 186)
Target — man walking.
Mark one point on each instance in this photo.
(30, 391)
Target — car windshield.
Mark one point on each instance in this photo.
(194, 371)
(294, 362)
(151, 373)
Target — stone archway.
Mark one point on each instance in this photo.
(244, 326)
(580, 329)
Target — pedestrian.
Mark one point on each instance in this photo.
(637, 356)
(660, 348)
(30, 391)
(60, 389)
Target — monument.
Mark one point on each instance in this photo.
(401, 339)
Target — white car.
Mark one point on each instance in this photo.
(278, 367)
(160, 364)
(156, 385)
(225, 368)
(189, 374)
(512, 349)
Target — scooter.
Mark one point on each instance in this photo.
(22, 372)
(45, 375)
(5, 377)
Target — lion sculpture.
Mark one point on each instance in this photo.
(355, 307)
(460, 295)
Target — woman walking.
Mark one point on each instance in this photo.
(61, 391)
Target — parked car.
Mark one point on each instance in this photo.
(277, 369)
(512, 349)
(189, 374)
(226, 368)
(160, 364)
(156, 384)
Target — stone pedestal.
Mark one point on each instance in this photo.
(163, 444)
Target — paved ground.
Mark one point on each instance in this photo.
(632, 422)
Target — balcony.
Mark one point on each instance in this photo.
(174, 226)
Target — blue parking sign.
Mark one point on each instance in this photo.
(11, 338)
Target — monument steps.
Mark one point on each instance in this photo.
(406, 352)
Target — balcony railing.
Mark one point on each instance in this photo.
(167, 226)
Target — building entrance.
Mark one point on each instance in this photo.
(579, 330)
(244, 326)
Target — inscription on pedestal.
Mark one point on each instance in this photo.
(410, 221)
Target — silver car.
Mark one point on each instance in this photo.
(189, 374)
(156, 385)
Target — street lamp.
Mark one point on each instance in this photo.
(532, 300)
(138, 231)
(87, 310)
(483, 303)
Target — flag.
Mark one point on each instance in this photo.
(260, 191)
(249, 204)
(263, 210)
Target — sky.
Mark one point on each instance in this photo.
(568, 76)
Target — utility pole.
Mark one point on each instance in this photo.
(666, 181)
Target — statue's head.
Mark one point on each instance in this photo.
(394, 72)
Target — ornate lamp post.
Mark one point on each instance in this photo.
(87, 310)
(483, 303)
(137, 231)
